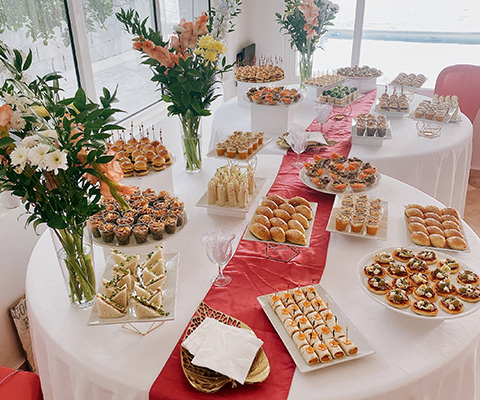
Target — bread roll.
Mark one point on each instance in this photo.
(278, 222)
(413, 212)
(434, 209)
(276, 198)
(437, 240)
(452, 232)
(416, 219)
(294, 224)
(296, 237)
(450, 218)
(264, 210)
(432, 215)
(282, 214)
(456, 243)
(415, 226)
(450, 211)
(450, 225)
(278, 234)
(305, 211)
(269, 203)
(261, 219)
(435, 230)
(420, 238)
(417, 206)
(260, 231)
(301, 218)
(434, 222)
(298, 200)
(288, 208)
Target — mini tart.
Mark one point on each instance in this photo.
(378, 285)
(374, 270)
(384, 259)
(468, 276)
(440, 273)
(424, 292)
(402, 254)
(416, 265)
(451, 262)
(430, 257)
(445, 287)
(403, 284)
(397, 270)
(451, 305)
(398, 298)
(424, 307)
(418, 279)
(469, 293)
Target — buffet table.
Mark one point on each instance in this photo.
(440, 167)
(415, 358)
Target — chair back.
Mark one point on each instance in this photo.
(462, 80)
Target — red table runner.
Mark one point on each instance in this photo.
(255, 275)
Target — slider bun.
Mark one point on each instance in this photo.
(420, 238)
(264, 210)
(261, 219)
(282, 214)
(305, 211)
(298, 200)
(278, 222)
(269, 203)
(296, 237)
(288, 208)
(278, 234)
(260, 231)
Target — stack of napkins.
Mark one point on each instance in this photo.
(222, 348)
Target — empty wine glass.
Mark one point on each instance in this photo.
(219, 250)
(298, 139)
(323, 111)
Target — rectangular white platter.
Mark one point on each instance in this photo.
(308, 232)
(266, 140)
(369, 140)
(364, 348)
(231, 211)
(169, 294)
(382, 230)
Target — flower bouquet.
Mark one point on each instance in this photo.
(52, 156)
(306, 21)
(186, 66)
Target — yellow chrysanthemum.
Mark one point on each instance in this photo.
(209, 48)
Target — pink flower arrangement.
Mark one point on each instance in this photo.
(310, 13)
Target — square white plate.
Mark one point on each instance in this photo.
(364, 348)
(169, 294)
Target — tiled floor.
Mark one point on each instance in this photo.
(472, 207)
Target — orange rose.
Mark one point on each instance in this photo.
(201, 25)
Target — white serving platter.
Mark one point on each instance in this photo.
(266, 140)
(364, 348)
(469, 308)
(172, 261)
(369, 140)
(151, 172)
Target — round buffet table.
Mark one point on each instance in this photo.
(414, 359)
(440, 167)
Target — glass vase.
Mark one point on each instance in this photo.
(305, 68)
(74, 249)
(191, 142)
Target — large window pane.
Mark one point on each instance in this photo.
(420, 36)
(40, 26)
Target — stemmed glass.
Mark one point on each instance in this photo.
(219, 250)
(298, 139)
(322, 111)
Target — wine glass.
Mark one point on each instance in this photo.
(323, 111)
(219, 250)
(298, 139)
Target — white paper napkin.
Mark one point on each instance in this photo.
(315, 137)
(222, 348)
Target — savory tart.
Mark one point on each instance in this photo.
(468, 276)
(402, 254)
(415, 265)
(403, 284)
(397, 270)
(374, 270)
(445, 287)
(469, 293)
(451, 305)
(398, 298)
(418, 279)
(428, 256)
(384, 259)
(424, 307)
(440, 273)
(453, 264)
(378, 285)
(424, 292)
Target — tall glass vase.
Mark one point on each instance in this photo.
(74, 249)
(305, 68)
(191, 141)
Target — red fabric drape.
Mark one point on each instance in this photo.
(255, 275)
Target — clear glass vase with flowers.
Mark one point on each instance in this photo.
(187, 66)
(52, 156)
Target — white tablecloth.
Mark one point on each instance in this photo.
(415, 359)
(440, 167)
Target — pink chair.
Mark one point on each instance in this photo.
(19, 385)
(464, 81)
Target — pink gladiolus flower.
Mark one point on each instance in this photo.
(310, 12)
